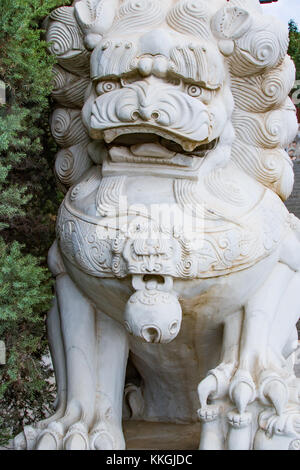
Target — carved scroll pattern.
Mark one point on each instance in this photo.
(71, 81)
(262, 75)
(97, 250)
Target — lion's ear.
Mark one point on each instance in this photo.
(95, 18)
(229, 24)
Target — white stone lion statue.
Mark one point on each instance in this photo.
(176, 261)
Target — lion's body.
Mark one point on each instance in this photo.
(171, 372)
(177, 264)
(169, 386)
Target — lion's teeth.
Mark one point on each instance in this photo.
(119, 153)
(151, 150)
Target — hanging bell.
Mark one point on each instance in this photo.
(153, 313)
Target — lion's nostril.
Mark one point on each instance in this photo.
(151, 334)
(134, 116)
(155, 115)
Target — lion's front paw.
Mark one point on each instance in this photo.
(107, 436)
(51, 438)
(216, 383)
(70, 432)
(26, 440)
(242, 390)
(77, 437)
(237, 420)
(273, 390)
(209, 413)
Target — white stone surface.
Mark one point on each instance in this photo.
(176, 261)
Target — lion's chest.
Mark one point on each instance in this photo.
(164, 229)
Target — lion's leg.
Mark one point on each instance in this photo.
(255, 360)
(270, 318)
(77, 318)
(59, 362)
(259, 315)
(273, 311)
(27, 439)
(55, 339)
(267, 340)
(216, 385)
(278, 386)
(254, 357)
(231, 335)
(112, 354)
(283, 333)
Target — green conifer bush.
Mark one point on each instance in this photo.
(294, 51)
(28, 206)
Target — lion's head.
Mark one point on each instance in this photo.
(172, 82)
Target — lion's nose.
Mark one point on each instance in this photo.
(148, 113)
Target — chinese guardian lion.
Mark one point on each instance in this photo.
(177, 263)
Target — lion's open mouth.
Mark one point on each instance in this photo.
(152, 148)
(148, 133)
(169, 145)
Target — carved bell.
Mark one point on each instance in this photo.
(153, 313)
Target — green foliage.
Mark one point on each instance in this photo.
(28, 206)
(294, 47)
(25, 292)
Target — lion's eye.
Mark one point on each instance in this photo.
(106, 87)
(194, 90)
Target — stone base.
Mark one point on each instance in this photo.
(140, 435)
